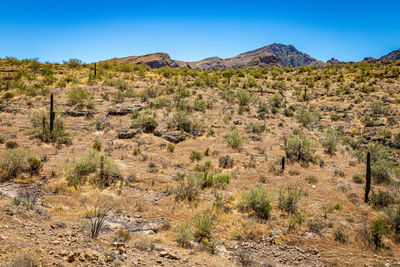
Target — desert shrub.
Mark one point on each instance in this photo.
(185, 235)
(381, 199)
(308, 118)
(195, 155)
(225, 162)
(25, 260)
(11, 144)
(121, 85)
(170, 148)
(97, 144)
(188, 188)
(378, 229)
(221, 180)
(122, 236)
(255, 127)
(258, 200)
(202, 225)
(340, 234)
(222, 203)
(41, 128)
(182, 121)
(358, 178)
(393, 218)
(330, 141)
(17, 161)
(97, 212)
(311, 179)
(77, 96)
(104, 169)
(289, 198)
(234, 139)
(299, 147)
(338, 206)
(145, 122)
(316, 225)
(276, 100)
(380, 171)
(244, 97)
(2, 139)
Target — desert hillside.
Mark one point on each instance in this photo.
(133, 166)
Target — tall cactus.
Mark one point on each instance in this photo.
(52, 114)
(305, 92)
(95, 70)
(283, 164)
(368, 178)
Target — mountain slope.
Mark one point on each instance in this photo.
(394, 55)
(270, 55)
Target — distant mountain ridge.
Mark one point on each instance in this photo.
(271, 55)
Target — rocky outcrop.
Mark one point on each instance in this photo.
(155, 60)
(333, 61)
(392, 56)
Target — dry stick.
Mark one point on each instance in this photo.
(368, 178)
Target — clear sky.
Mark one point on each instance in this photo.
(192, 30)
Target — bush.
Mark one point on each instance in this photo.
(145, 122)
(104, 169)
(234, 139)
(202, 225)
(358, 178)
(257, 199)
(330, 141)
(195, 155)
(41, 128)
(299, 147)
(2, 139)
(244, 97)
(185, 235)
(188, 188)
(378, 229)
(381, 199)
(380, 171)
(308, 118)
(393, 218)
(289, 199)
(316, 225)
(340, 235)
(17, 161)
(221, 179)
(225, 162)
(276, 100)
(11, 144)
(25, 260)
(183, 122)
(77, 96)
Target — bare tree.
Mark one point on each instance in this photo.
(97, 213)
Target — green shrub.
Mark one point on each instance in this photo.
(338, 206)
(225, 162)
(234, 139)
(308, 118)
(2, 139)
(358, 178)
(11, 144)
(185, 235)
(381, 199)
(257, 199)
(170, 148)
(244, 97)
(188, 188)
(202, 225)
(378, 229)
(221, 179)
(330, 141)
(195, 155)
(340, 234)
(77, 96)
(289, 198)
(182, 121)
(393, 218)
(299, 147)
(145, 122)
(41, 128)
(104, 169)
(276, 100)
(17, 161)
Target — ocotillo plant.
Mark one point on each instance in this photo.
(368, 178)
(52, 114)
(283, 164)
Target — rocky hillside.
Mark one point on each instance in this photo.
(270, 55)
(392, 56)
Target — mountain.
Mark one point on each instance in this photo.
(270, 55)
(392, 56)
(333, 61)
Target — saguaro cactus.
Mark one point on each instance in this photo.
(305, 93)
(52, 114)
(368, 178)
(95, 70)
(283, 164)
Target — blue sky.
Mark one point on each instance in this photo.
(192, 30)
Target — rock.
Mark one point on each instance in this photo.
(173, 137)
(79, 113)
(71, 257)
(124, 110)
(126, 134)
